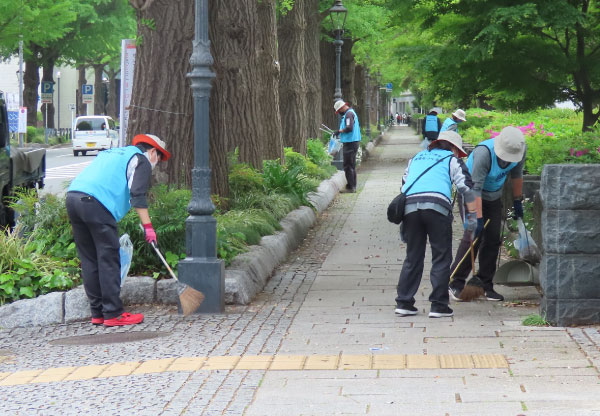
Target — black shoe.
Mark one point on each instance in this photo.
(440, 312)
(405, 310)
(454, 294)
(493, 295)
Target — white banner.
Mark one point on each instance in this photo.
(127, 70)
(22, 120)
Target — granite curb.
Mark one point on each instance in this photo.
(244, 278)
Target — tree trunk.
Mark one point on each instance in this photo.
(359, 90)
(31, 82)
(161, 102)
(113, 94)
(292, 85)
(81, 81)
(268, 69)
(48, 116)
(99, 92)
(313, 67)
(348, 66)
(327, 52)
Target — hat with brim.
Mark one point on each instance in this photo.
(453, 138)
(153, 141)
(338, 105)
(460, 114)
(509, 145)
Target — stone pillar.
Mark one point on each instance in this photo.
(570, 268)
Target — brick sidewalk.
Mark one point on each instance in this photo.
(327, 315)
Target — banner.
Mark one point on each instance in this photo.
(127, 69)
(22, 128)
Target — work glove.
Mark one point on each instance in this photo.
(150, 233)
(470, 224)
(518, 207)
(479, 228)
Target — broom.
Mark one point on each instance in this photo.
(474, 287)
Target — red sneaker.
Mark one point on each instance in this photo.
(97, 321)
(125, 319)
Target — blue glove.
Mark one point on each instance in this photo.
(518, 207)
(470, 224)
(479, 227)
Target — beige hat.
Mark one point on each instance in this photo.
(452, 137)
(338, 105)
(509, 145)
(460, 114)
(153, 141)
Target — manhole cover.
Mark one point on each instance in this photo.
(109, 338)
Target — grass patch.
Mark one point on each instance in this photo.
(535, 320)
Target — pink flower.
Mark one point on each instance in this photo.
(552, 134)
(541, 127)
(579, 153)
(572, 151)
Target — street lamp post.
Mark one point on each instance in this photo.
(378, 80)
(338, 14)
(368, 104)
(201, 269)
(58, 93)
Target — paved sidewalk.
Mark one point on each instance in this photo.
(322, 339)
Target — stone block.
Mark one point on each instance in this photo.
(564, 276)
(569, 312)
(43, 310)
(239, 287)
(570, 231)
(570, 187)
(77, 305)
(276, 245)
(166, 292)
(138, 290)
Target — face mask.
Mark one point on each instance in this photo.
(153, 164)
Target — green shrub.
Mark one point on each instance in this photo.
(279, 205)
(317, 152)
(244, 179)
(281, 179)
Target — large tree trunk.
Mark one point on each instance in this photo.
(161, 102)
(292, 85)
(99, 92)
(48, 109)
(327, 52)
(359, 92)
(112, 108)
(268, 69)
(31, 82)
(348, 66)
(313, 67)
(81, 81)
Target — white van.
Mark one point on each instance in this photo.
(94, 133)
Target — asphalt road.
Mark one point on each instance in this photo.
(62, 167)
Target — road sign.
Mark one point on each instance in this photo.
(388, 87)
(72, 107)
(22, 127)
(87, 93)
(47, 92)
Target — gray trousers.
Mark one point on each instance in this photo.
(97, 240)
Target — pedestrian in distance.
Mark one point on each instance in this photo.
(489, 164)
(430, 126)
(349, 134)
(428, 214)
(451, 123)
(97, 199)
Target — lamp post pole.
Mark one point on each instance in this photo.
(58, 93)
(201, 269)
(368, 104)
(338, 65)
(378, 78)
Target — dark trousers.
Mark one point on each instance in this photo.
(350, 150)
(487, 247)
(97, 240)
(417, 226)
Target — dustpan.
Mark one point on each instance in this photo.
(517, 273)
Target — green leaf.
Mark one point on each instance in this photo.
(26, 291)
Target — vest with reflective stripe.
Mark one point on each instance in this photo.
(436, 180)
(431, 123)
(447, 124)
(354, 135)
(497, 176)
(106, 180)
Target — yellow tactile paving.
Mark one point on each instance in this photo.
(154, 366)
(257, 362)
(456, 361)
(321, 362)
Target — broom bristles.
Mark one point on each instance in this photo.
(472, 290)
(190, 300)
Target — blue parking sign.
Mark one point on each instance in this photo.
(47, 87)
(87, 89)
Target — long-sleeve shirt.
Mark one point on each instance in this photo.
(482, 164)
(139, 174)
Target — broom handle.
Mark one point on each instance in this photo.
(471, 250)
(153, 244)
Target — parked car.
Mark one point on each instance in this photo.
(94, 133)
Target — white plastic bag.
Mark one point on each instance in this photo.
(334, 145)
(126, 254)
(527, 248)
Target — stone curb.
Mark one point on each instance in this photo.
(244, 278)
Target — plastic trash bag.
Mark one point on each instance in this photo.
(126, 254)
(527, 248)
(334, 145)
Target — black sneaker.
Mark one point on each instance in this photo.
(405, 310)
(454, 294)
(493, 295)
(440, 312)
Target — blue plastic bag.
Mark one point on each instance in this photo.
(334, 145)
(126, 254)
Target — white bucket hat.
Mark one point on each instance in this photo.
(338, 104)
(460, 114)
(452, 137)
(509, 145)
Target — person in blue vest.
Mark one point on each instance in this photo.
(451, 123)
(428, 214)
(349, 134)
(430, 127)
(489, 164)
(97, 199)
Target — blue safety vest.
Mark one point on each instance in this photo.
(354, 135)
(497, 176)
(437, 180)
(431, 123)
(106, 180)
(447, 124)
